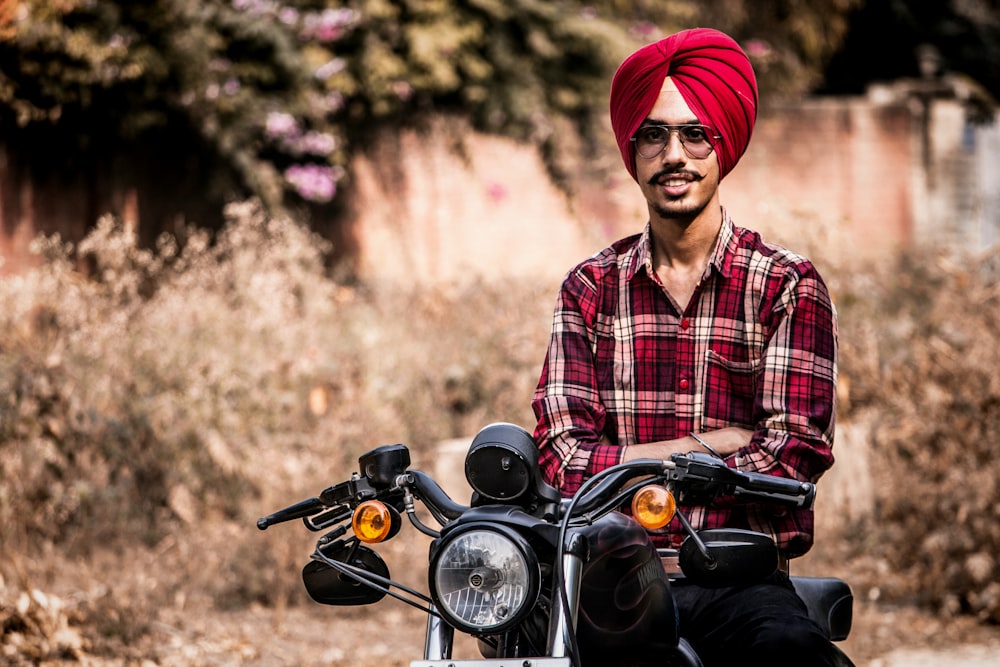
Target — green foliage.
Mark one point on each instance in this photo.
(210, 70)
(285, 91)
(789, 41)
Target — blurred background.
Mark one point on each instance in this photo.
(245, 241)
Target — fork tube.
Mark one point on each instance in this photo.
(439, 638)
(562, 617)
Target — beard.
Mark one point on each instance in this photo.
(681, 209)
(679, 212)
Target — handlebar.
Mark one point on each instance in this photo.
(694, 478)
(606, 488)
(347, 495)
(701, 475)
(343, 495)
(431, 493)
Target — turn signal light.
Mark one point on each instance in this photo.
(372, 521)
(653, 507)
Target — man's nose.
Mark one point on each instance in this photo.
(673, 150)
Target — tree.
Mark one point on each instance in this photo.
(886, 35)
(280, 93)
(788, 41)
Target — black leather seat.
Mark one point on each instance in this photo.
(830, 603)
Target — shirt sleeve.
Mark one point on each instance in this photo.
(796, 392)
(567, 405)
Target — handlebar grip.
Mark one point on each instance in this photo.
(800, 501)
(780, 489)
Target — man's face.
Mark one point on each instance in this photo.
(676, 186)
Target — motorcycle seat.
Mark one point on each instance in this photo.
(830, 603)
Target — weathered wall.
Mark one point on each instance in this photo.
(855, 177)
(839, 162)
(427, 210)
(848, 178)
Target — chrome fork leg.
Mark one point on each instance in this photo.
(566, 612)
(439, 639)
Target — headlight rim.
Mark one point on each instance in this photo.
(533, 568)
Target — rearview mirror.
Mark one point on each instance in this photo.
(326, 585)
(734, 557)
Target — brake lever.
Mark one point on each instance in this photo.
(328, 518)
(301, 509)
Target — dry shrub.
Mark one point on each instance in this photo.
(35, 628)
(163, 399)
(138, 394)
(921, 354)
(101, 616)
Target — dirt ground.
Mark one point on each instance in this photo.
(312, 636)
(164, 606)
(194, 631)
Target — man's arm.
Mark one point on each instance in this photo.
(724, 441)
(796, 395)
(567, 405)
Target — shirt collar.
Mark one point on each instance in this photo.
(721, 259)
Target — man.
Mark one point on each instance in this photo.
(697, 335)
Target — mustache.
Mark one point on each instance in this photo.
(664, 173)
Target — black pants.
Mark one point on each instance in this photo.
(761, 624)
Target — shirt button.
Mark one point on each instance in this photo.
(685, 323)
(683, 384)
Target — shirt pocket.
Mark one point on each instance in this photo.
(730, 392)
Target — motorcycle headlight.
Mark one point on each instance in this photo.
(483, 580)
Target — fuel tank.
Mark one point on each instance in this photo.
(627, 610)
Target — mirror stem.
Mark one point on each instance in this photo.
(709, 560)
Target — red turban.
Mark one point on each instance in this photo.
(713, 75)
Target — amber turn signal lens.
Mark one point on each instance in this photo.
(371, 522)
(653, 507)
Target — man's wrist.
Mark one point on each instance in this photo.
(711, 450)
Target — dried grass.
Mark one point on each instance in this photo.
(155, 405)
(922, 354)
(152, 407)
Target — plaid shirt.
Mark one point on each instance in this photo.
(755, 348)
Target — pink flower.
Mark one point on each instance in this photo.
(497, 192)
(313, 182)
(281, 125)
(757, 48)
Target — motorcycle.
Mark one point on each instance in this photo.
(550, 581)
